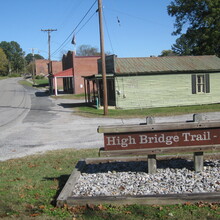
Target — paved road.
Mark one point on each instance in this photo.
(14, 102)
(31, 122)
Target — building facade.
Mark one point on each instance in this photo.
(73, 68)
(41, 67)
(161, 81)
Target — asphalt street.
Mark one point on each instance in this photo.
(31, 122)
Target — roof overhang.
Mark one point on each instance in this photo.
(64, 73)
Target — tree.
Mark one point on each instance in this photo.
(182, 46)
(14, 54)
(3, 63)
(202, 21)
(87, 50)
(166, 53)
(29, 57)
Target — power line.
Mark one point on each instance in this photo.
(136, 17)
(71, 11)
(108, 33)
(86, 22)
(74, 29)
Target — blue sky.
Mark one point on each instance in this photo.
(145, 28)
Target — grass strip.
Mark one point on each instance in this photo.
(88, 111)
(69, 96)
(3, 77)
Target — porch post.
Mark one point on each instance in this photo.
(55, 82)
(85, 90)
(98, 91)
(93, 85)
(88, 89)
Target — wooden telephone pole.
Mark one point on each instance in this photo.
(49, 58)
(49, 31)
(104, 81)
(33, 65)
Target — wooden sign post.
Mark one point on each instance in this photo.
(151, 139)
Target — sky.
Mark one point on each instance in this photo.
(132, 28)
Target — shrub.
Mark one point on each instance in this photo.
(39, 77)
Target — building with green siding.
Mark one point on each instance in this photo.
(148, 82)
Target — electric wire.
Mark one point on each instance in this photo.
(71, 11)
(108, 33)
(86, 22)
(61, 46)
(136, 17)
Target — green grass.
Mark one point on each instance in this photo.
(40, 83)
(69, 96)
(3, 77)
(132, 113)
(29, 187)
(25, 83)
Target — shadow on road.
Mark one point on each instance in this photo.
(41, 85)
(42, 94)
(73, 105)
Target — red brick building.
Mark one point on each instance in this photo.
(79, 66)
(41, 67)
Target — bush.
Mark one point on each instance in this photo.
(14, 75)
(39, 77)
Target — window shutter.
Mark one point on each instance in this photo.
(193, 84)
(207, 83)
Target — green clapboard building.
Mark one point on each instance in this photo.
(148, 82)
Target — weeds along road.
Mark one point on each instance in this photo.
(32, 122)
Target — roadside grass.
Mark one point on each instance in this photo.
(69, 96)
(39, 83)
(29, 187)
(3, 77)
(10, 76)
(88, 111)
(25, 83)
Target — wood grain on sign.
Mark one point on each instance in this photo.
(159, 139)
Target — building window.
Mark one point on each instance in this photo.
(200, 83)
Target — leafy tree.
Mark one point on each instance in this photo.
(29, 57)
(87, 50)
(166, 53)
(201, 18)
(182, 46)
(3, 63)
(14, 54)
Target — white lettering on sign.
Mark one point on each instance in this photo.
(197, 137)
(168, 140)
(123, 142)
(146, 139)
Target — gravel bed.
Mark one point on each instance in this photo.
(130, 178)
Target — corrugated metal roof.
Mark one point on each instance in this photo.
(169, 64)
(64, 73)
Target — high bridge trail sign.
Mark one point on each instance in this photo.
(158, 139)
(162, 135)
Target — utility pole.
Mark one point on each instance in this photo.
(104, 81)
(49, 59)
(49, 31)
(33, 65)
